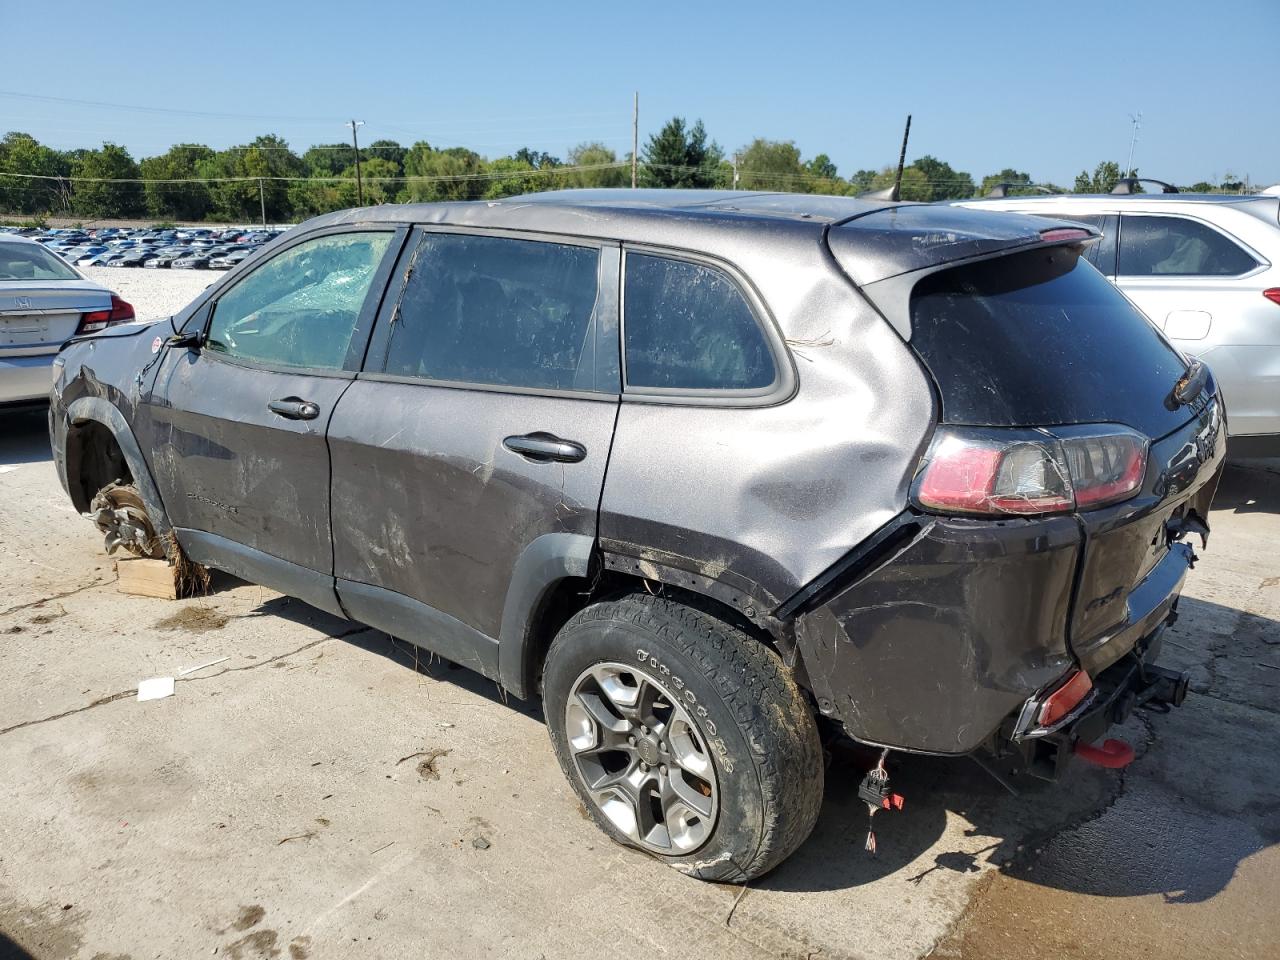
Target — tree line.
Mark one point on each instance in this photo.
(266, 178)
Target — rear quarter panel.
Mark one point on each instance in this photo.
(764, 498)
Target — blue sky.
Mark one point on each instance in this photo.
(1042, 87)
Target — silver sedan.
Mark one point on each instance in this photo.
(44, 301)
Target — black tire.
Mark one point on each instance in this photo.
(758, 729)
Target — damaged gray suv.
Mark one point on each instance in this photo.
(701, 470)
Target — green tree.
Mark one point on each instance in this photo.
(21, 153)
(452, 174)
(250, 177)
(914, 185)
(1019, 182)
(771, 165)
(604, 168)
(106, 183)
(513, 176)
(1105, 176)
(168, 200)
(387, 150)
(327, 159)
(535, 159)
(861, 181)
(679, 158)
(945, 182)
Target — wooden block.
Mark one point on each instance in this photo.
(146, 578)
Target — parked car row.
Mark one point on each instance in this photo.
(193, 248)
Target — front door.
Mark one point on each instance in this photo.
(481, 426)
(239, 421)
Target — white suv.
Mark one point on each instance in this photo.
(1206, 270)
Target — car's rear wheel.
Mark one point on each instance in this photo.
(683, 736)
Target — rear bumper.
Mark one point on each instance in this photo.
(1134, 681)
(26, 379)
(956, 635)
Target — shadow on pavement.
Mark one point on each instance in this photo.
(24, 435)
(1249, 488)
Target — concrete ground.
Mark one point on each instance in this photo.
(326, 793)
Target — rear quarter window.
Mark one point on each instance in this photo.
(1178, 247)
(689, 327)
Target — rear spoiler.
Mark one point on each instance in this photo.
(886, 252)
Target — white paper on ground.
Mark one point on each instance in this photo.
(157, 688)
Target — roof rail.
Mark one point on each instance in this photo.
(1002, 189)
(1130, 185)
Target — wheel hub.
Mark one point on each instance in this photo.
(644, 764)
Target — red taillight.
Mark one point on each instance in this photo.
(1066, 698)
(1273, 294)
(121, 312)
(996, 472)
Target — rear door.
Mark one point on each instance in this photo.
(480, 427)
(1179, 270)
(238, 425)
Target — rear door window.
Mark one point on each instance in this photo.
(499, 311)
(1153, 246)
(688, 327)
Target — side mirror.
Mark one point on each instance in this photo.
(192, 340)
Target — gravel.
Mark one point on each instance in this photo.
(153, 293)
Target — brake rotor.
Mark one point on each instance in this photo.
(120, 514)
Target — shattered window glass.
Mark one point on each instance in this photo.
(497, 310)
(689, 327)
(299, 309)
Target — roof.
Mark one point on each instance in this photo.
(609, 213)
(1058, 198)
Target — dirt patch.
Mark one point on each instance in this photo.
(49, 617)
(260, 943)
(300, 948)
(194, 619)
(427, 767)
(44, 931)
(249, 917)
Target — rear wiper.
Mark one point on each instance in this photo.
(1190, 386)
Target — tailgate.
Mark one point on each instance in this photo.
(1132, 568)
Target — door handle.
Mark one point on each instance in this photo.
(542, 447)
(291, 408)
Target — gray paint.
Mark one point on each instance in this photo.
(550, 558)
(257, 566)
(442, 535)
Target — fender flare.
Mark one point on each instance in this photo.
(542, 564)
(98, 410)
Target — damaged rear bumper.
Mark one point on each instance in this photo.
(1134, 681)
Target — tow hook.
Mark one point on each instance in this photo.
(1113, 754)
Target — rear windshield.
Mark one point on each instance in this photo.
(1041, 338)
(30, 261)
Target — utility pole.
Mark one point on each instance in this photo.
(355, 144)
(635, 139)
(902, 159)
(1136, 120)
(262, 201)
(735, 171)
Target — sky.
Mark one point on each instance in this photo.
(1047, 88)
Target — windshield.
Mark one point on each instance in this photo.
(1041, 338)
(23, 261)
